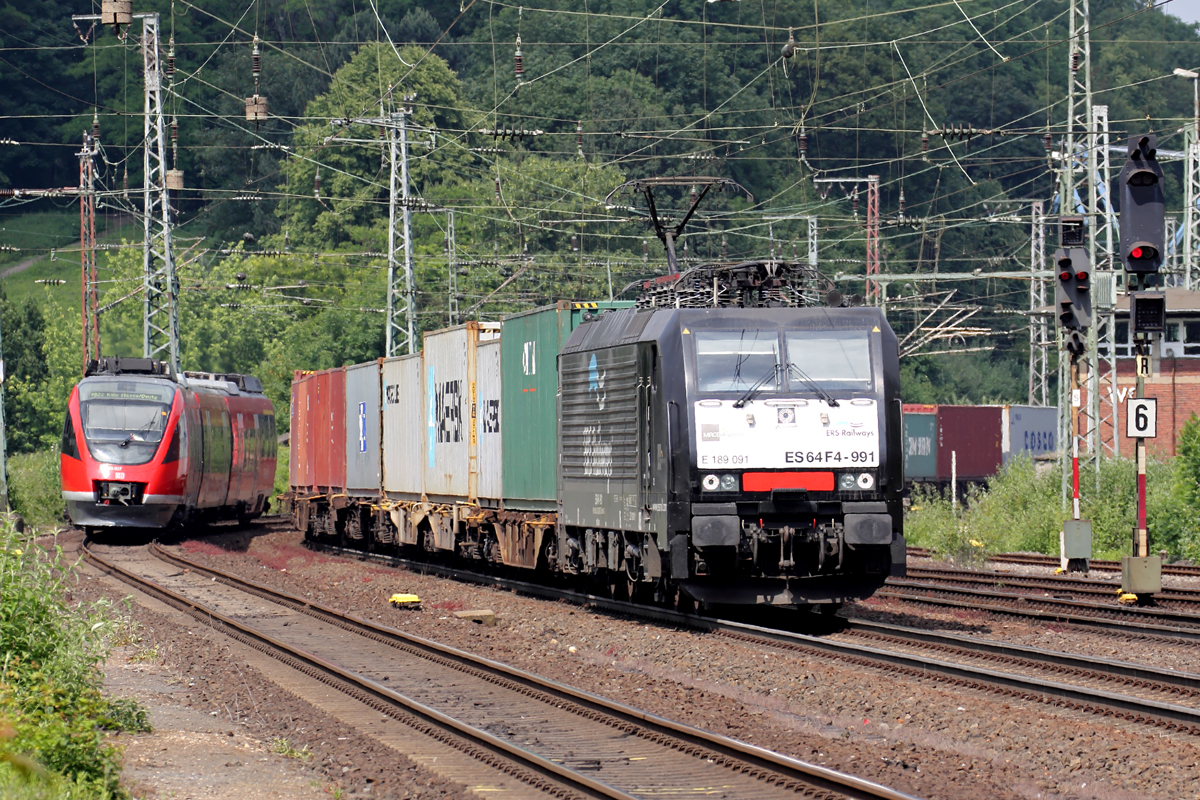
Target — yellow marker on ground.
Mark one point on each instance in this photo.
(405, 601)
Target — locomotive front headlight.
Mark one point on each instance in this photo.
(711, 483)
(866, 481)
(846, 482)
(729, 483)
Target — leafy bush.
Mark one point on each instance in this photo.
(1021, 509)
(35, 487)
(53, 714)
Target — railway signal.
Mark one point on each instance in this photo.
(1143, 222)
(1073, 295)
(1143, 207)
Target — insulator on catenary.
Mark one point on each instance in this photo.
(257, 61)
(789, 48)
(317, 184)
(1074, 61)
(579, 136)
(518, 66)
(574, 243)
(497, 190)
(724, 248)
(125, 183)
(1048, 142)
(96, 127)
(924, 143)
(171, 58)
(902, 202)
(174, 131)
(803, 143)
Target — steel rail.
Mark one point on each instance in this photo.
(568, 778)
(1052, 582)
(1037, 559)
(785, 766)
(1114, 669)
(1169, 715)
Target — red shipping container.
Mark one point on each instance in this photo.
(975, 434)
(300, 438)
(329, 430)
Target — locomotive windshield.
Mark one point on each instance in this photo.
(124, 421)
(745, 360)
(840, 360)
(733, 361)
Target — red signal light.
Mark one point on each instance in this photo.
(1064, 276)
(1081, 276)
(1136, 252)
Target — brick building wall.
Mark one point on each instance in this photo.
(1175, 383)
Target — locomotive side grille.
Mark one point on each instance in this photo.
(599, 414)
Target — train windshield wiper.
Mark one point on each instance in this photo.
(758, 384)
(816, 387)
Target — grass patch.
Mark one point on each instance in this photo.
(1021, 510)
(35, 488)
(283, 747)
(54, 718)
(281, 474)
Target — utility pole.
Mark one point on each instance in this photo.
(3, 434)
(160, 329)
(401, 298)
(1079, 115)
(1191, 184)
(1039, 334)
(90, 307)
(160, 317)
(1102, 384)
(452, 283)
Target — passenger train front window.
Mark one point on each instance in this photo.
(832, 359)
(734, 361)
(124, 421)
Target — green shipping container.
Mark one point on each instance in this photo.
(529, 346)
(920, 442)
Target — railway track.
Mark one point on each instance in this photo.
(1183, 599)
(550, 737)
(1145, 695)
(1034, 559)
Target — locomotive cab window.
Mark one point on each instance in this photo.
(124, 421)
(734, 361)
(838, 359)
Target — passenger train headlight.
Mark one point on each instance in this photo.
(729, 483)
(711, 483)
(846, 482)
(866, 481)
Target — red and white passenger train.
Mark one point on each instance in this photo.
(145, 448)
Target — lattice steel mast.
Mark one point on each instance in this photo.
(160, 337)
(1039, 332)
(401, 298)
(90, 306)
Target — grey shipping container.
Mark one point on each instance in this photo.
(529, 349)
(488, 415)
(362, 430)
(1030, 429)
(450, 364)
(920, 442)
(404, 428)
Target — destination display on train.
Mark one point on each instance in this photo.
(787, 434)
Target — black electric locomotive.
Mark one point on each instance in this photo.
(743, 455)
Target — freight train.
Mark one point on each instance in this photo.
(720, 455)
(145, 448)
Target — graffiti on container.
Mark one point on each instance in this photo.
(597, 453)
(920, 446)
(448, 411)
(596, 383)
(391, 394)
(491, 416)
